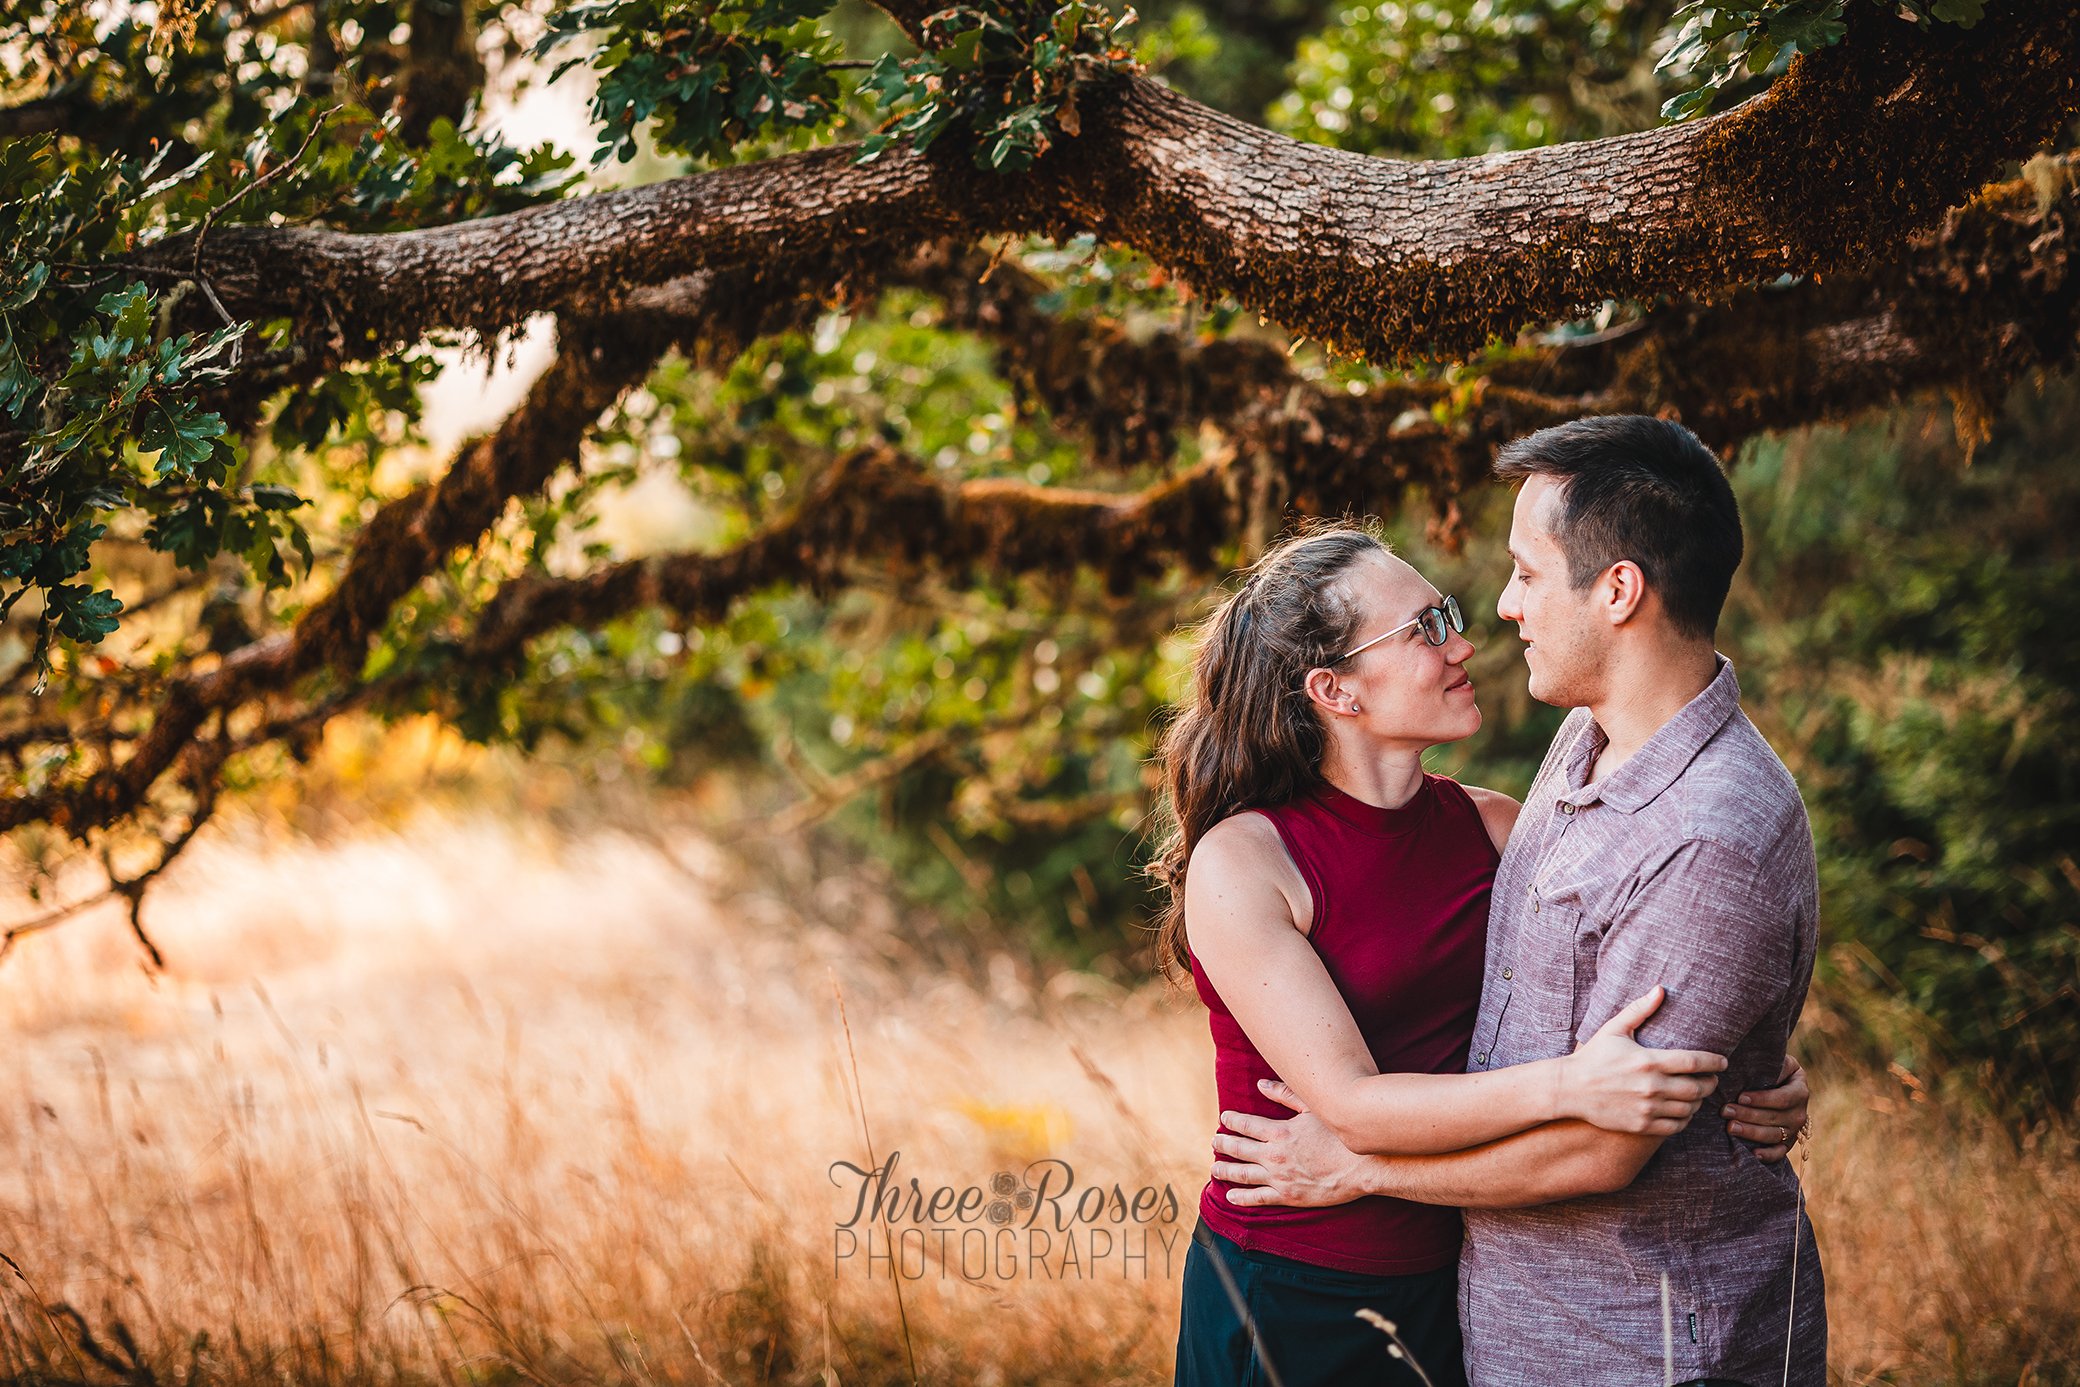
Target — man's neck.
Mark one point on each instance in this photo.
(1643, 695)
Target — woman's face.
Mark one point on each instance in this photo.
(1404, 689)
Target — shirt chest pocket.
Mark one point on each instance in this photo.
(1556, 970)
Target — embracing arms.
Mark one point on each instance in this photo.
(1718, 991)
(1248, 910)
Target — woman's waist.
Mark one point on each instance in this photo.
(1373, 1234)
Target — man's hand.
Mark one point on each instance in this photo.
(1296, 1162)
(1773, 1119)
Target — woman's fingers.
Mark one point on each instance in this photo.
(1775, 1100)
(1241, 1147)
(1633, 1014)
(1759, 1115)
(1762, 1133)
(1686, 1061)
(1684, 1088)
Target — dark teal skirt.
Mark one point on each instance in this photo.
(1275, 1322)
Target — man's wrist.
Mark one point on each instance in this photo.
(1378, 1175)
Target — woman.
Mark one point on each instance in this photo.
(1330, 901)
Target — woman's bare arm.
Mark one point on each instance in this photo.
(1244, 909)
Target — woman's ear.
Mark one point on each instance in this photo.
(1327, 692)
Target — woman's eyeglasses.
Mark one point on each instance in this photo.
(1437, 622)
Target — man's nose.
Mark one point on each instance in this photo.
(1506, 603)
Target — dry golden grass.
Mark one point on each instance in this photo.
(465, 1102)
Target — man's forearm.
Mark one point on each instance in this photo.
(1560, 1160)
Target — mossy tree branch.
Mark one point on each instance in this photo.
(1855, 149)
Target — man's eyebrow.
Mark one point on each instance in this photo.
(1516, 558)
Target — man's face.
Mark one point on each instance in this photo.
(1564, 643)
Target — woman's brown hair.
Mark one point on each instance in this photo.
(1248, 737)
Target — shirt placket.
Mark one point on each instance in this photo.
(1555, 831)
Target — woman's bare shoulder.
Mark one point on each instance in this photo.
(1498, 813)
(1245, 853)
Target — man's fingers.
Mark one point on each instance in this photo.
(1633, 1014)
(1252, 1195)
(1241, 1173)
(1277, 1090)
(1250, 1125)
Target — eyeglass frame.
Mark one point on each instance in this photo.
(1450, 618)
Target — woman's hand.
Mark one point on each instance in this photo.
(1620, 1085)
(1772, 1119)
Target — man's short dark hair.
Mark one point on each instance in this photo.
(1643, 489)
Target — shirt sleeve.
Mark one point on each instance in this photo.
(1706, 926)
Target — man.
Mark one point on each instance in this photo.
(1662, 842)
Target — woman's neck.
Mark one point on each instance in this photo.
(1386, 777)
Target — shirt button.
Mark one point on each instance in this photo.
(1566, 808)
(1534, 905)
(1506, 975)
(1481, 1058)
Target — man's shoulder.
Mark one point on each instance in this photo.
(1739, 794)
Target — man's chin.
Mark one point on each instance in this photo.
(1547, 690)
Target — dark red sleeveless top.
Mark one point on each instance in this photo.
(1401, 923)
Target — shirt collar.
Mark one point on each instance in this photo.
(1655, 766)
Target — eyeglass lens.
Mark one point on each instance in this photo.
(1436, 618)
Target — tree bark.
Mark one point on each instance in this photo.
(1990, 295)
(1855, 149)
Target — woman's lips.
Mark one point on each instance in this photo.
(1466, 684)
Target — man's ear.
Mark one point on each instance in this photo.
(1621, 592)
(1327, 693)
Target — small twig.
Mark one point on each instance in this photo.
(132, 889)
(873, 1162)
(1395, 1348)
(209, 219)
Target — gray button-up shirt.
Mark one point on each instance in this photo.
(1691, 866)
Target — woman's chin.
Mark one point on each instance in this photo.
(1463, 723)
